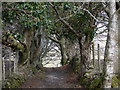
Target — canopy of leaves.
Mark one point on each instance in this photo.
(29, 14)
(81, 21)
(34, 14)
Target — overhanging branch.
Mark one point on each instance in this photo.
(10, 41)
(63, 21)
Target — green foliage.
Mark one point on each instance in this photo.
(116, 81)
(33, 69)
(92, 83)
(29, 14)
(14, 81)
(84, 81)
(75, 64)
(35, 14)
(81, 23)
(96, 83)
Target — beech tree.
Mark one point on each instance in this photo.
(27, 24)
(83, 31)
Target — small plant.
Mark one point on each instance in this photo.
(91, 83)
(96, 82)
(116, 80)
(14, 81)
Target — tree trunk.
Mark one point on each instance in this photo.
(93, 54)
(118, 64)
(1, 71)
(111, 47)
(1, 50)
(81, 60)
(35, 49)
(84, 53)
(28, 36)
(29, 50)
(10, 41)
(119, 38)
(63, 51)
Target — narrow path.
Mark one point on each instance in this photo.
(60, 77)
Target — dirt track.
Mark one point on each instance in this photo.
(60, 77)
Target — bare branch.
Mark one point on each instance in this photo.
(115, 12)
(102, 31)
(53, 40)
(92, 15)
(102, 26)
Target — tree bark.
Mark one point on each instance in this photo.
(29, 50)
(93, 54)
(1, 70)
(63, 51)
(10, 41)
(118, 64)
(111, 47)
(84, 55)
(118, 22)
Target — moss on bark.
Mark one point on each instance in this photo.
(10, 41)
(75, 64)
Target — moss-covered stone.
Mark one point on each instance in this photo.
(116, 81)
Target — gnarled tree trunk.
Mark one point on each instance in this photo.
(84, 54)
(63, 50)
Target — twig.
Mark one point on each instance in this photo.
(102, 31)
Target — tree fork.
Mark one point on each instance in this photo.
(10, 41)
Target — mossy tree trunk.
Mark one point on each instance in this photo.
(10, 41)
(84, 54)
(1, 74)
(68, 50)
(28, 36)
(29, 50)
(35, 48)
(63, 51)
